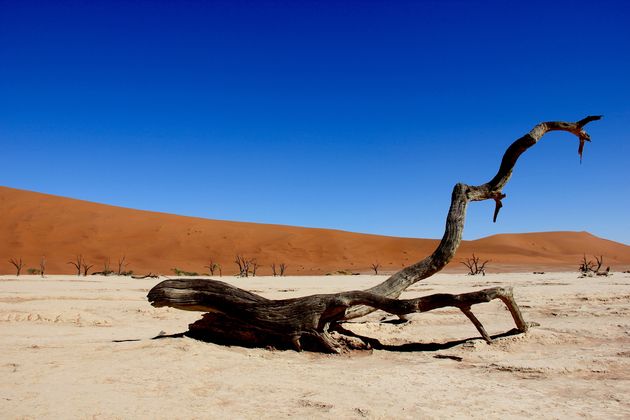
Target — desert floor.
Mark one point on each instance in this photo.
(58, 357)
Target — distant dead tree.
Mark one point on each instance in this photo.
(588, 268)
(220, 268)
(243, 265)
(255, 266)
(212, 266)
(18, 264)
(42, 266)
(86, 267)
(77, 263)
(375, 266)
(278, 270)
(121, 265)
(474, 267)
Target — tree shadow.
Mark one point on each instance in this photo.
(372, 343)
(419, 347)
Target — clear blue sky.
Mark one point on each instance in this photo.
(351, 115)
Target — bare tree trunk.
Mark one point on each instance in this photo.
(18, 264)
(121, 264)
(78, 263)
(212, 266)
(255, 266)
(236, 316)
(375, 266)
(243, 265)
(42, 266)
(86, 267)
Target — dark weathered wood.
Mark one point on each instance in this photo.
(462, 194)
(18, 264)
(236, 316)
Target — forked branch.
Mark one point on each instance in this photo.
(461, 196)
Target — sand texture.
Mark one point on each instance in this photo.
(58, 357)
(34, 224)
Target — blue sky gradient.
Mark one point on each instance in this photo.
(349, 115)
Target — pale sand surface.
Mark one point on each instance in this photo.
(58, 360)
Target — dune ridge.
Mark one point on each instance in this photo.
(35, 224)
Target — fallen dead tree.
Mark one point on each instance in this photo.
(236, 316)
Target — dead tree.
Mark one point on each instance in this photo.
(236, 316)
(42, 266)
(77, 263)
(586, 267)
(243, 265)
(121, 265)
(220, 268)
(600, 261)
(212, 266)
(278, 270)
(255, 266)
(474, 267)
(18, 264)
(86, 267)
(375, 266)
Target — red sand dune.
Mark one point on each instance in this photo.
(35, 224)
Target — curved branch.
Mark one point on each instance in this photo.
(462, 194)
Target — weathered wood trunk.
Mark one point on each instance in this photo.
(235, 316)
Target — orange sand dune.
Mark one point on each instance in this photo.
(34, 224)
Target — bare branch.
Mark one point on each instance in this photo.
(86, 267)
(122, 264)
(42, 265)
(18, 264)
(77, 263)
(375, 266)
(461, 196)
(212, 266)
